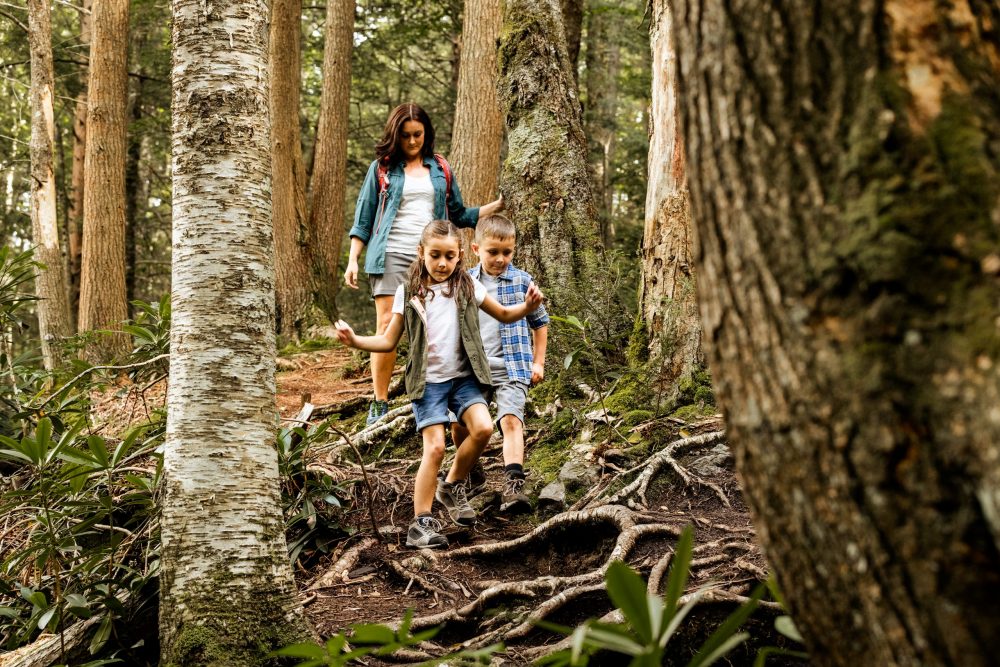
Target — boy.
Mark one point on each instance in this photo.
(514, 367)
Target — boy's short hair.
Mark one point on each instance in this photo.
(495, 227)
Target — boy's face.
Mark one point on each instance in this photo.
(495, 254)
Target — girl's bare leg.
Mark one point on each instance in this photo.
(426, 482)
(383, 363)
(477, 422)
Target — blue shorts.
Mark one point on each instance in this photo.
(440, 397)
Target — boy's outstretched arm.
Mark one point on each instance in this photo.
(539, 341)
(385, 342)
(507, 314)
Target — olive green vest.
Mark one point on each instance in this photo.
(472, 342)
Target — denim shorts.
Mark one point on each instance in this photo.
(441, 397)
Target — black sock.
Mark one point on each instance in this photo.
(514, 470)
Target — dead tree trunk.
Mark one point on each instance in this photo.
(102, 283)
(544, 177)
(54, 321)
(667, 297)
(288, 174)
(845, 184)
(329, 172)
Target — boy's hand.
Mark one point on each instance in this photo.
(345, 334)
(537, 372)
(533, 297)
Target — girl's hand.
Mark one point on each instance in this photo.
(537, 373)
(533, 298)
(345, 334)
(351, 274)
(501, 205)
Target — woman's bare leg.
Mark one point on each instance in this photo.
(383, 363)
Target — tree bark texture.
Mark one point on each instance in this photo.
(544, 178)
(329, 172)
(667, 290)
(102, 281)
(845, 184)
(74, 214)
(227, 594)
(291, 241)
(54, 321)
(572, 21)
(602, 65)
(478, 130)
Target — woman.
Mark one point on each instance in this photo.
(407, 186)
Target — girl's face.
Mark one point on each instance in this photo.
(440, 256)
(411, 139)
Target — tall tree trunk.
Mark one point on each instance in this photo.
(603, 63)
(226, 594)
(572, 22)
(135, 190)
(54, 321)
(845, 184)
(478, 129)
(74, 214)
(670, 319)
(102, 282)
(544, 177)
(329, 172)
(288, 173)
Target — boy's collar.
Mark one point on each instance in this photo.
(506, 275)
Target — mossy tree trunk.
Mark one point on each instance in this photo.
(227, 596)
(291, 239)
(544, 178)
(103, 304)
(572, 21)
(845, 184)
(670, 323)
(329, 173)
(477, 133)
(54, 322)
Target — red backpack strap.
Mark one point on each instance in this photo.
(446, 168)
(382, 171)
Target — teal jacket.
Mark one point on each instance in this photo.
(373, 228)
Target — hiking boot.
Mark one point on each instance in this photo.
(477, 479)
(424, 533)
(455, 498)
(376, 411)
(513, 499)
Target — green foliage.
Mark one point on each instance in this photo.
(650, 620)
(785, 627)
(150, 331)
(377, 640)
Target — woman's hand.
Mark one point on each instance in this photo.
(345, 334)
(351, 273)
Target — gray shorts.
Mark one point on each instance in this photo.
(510, 397)
(396, 269)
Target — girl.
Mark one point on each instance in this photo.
(407, 186)
(439, 309)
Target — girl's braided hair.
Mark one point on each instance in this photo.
(459, 283)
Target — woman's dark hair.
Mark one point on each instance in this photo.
(459, 282)
(387, 147)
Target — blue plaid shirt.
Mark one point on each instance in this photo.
(515, 338)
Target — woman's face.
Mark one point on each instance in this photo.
(411, 139)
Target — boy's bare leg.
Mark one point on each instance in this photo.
(382, 363)
(479, 428)
(513, 440)
(426, 482)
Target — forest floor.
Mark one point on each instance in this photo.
(636, 486)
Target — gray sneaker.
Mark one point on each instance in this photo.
(424, 534)
(454, 497)
(513, 499)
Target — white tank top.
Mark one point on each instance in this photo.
(416, 209)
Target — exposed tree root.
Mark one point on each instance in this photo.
(338, 572)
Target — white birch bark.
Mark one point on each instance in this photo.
(50, 284)
(226, 587)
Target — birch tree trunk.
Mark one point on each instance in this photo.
(329, 172)
(54, 321)
(544, 178)
(478, 130)
(227, 596)
(667, 296)
(102, 282)
(74, 214)
(291, 242)
(845, 184)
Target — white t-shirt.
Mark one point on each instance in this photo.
(416, 209)
(489, 328)
(445, 358)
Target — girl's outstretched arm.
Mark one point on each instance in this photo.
(385, 342)
(507, 314)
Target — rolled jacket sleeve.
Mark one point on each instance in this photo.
(367, 206)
